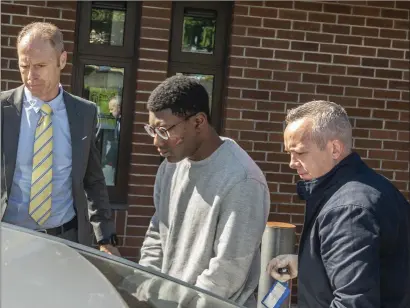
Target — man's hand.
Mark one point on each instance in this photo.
(110, 249)
(289, 262)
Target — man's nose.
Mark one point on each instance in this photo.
(158, 141)
(294, 163)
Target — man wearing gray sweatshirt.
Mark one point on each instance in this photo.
(211, 199)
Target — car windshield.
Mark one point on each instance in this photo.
(136, 285)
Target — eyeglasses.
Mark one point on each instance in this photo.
(162, 131)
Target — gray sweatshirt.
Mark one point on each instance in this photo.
(208, 224)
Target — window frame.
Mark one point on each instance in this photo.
(102, 55)
(199, 63)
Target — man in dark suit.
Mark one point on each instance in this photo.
(51, 177)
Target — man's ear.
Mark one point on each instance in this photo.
(337, 149)
(200, 120)
(63, 60)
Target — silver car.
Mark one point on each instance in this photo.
(38, 270)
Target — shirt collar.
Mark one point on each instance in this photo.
(36, 103)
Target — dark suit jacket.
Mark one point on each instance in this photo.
(88, 184)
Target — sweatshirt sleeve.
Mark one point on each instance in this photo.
(243, 215)
(151, 250)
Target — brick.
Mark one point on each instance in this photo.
(396, 14)
(275, 44)
(367, 144)
(388, 74)
(10, 30)
(276, 23)
(360, 71)
(358, 92)
(399, 85)
(358, 113)
(293, 15)
(13, 9)
(348, 60)
(244, 62)
(288, 55)
(154, 33)
(156, 12)
(380, 154)
(400, 44)
(304, 46)
(333, 90)
(255, 94)
(364, 31)
(396, 145)
(291, 35)
(306, 26)
(242, 83)
(336, 29)
(268, 147)
(254, 136)
(332, 69)
(381, 3)
(232, 114)
(234, 92)
(8, 53)
(386, 114)
(390, 53)
(362, 51)
(154, 44)
(337, 8)
(366, 11)
(316, 78)
(373, 83)
(301, 87)
(44, 12)
(302, 67)
(237, 51)
(287, 76)
(398, 34)
(320, 17)
(402, 176)
(240, 9)
(345, 81)
(404, 117)
(283, 96)
(235, 71)
(261, 32)
(379, 22)
(377, 42)
(63, 24)
(319, 37)
(375, 62)
(333, 48)
(272, 64)
(279, 4)
(72, 15)
(386, 94)
(349, 40)
(245, 41)
(344, 101)
(263, 12)
(238, 30)
(272, 106)
(271, 85)
(240, 104)
(308, 6)
(156, 23)
(364, 133)
(268, 126)
(317, 57)
(401, 24)
(72, 5)
(351, 20)
(238, 124)
(258, 53)
(258, 74)
(396, 125)
(247, 21)
(152, 65)
(402, 5)
(395, 165)
(161, 55)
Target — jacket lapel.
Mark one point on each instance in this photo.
(11, 132)
(76, 129)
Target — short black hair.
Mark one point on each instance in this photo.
(182, 94)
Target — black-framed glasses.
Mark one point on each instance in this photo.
(162, 131)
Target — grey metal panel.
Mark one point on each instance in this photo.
(38, 272)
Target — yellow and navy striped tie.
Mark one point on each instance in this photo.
(41, 178)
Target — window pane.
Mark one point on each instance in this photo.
(207, 81)
(103, 85)
(198, 31)
(107, 26)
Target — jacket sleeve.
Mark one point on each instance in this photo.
(350, 245)
(242, 219)
(99, 208)
(151, 250)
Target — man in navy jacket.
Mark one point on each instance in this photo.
(355, 245)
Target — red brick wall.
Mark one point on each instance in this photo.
(15, 15)
(281, 53)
